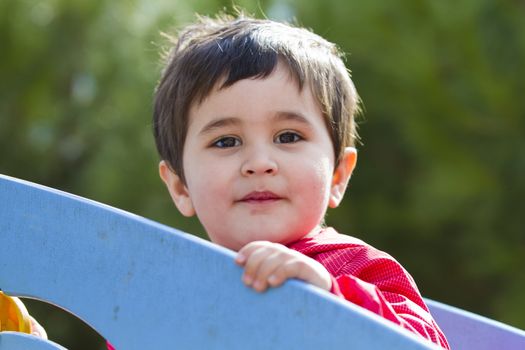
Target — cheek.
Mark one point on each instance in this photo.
(204, 190)
(317, 178)
(209, 189)
(324, 169)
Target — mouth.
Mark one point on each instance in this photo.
(260, 197)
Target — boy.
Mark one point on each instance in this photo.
(254, 123)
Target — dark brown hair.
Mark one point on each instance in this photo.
(227, 50)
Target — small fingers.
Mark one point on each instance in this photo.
(276, 279)
(303, 268)
(308, 270)
(263, 277)
(259, 260)
(245, 252)
(291, 268)
(269, 264)
(258, 266)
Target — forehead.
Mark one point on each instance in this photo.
(232, 77)
(252, 98)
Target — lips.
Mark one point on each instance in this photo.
(260, 197)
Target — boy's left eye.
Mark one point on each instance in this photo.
(288, 137)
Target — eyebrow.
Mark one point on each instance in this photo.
(233, 121)
(219, 123)
(292, 116)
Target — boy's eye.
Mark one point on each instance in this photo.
(288, 137)
(227, 142)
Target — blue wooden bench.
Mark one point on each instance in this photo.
(143, 285)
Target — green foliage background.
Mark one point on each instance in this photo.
(440, 180)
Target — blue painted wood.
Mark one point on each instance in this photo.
(466, 330)
(21, 341)
(143, 285)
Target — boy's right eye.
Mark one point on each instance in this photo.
(226, 142)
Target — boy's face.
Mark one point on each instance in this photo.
(259, 163)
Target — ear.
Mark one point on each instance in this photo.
(178, 191)
(342, 175)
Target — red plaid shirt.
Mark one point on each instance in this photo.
(372, 279)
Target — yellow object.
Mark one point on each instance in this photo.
(13, 315)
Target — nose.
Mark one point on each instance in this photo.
(259, 163)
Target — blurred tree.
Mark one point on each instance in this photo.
(440, 176)
(439, 182)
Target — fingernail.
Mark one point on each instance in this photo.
(247, 279)
(240, 258)
(272, 279)
(258, 285)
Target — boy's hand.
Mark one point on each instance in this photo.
(268, 264)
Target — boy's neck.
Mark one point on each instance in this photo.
(317, 230)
